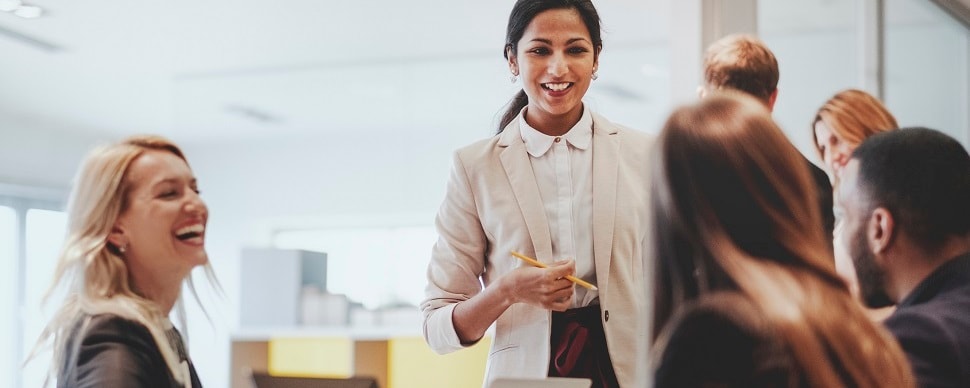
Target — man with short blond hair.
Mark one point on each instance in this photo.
(744, 63)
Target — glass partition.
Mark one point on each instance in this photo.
(927, 68)
(9, 234)
(815, 44)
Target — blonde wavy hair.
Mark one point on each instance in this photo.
(92, 269)
(733, 207)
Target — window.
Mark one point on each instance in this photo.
(927, 68)
(815, 45)
(31, 233)
(45, 235)
(9, 234)
(926, 64)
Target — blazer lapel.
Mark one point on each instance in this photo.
(606, 146)
(515, 160)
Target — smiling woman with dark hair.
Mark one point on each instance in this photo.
(745, 293)
(559, 183)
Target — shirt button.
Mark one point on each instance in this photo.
(606, 315)
(558, 139)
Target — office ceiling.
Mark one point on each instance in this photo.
(206, 70)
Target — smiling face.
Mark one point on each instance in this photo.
(556, 59)
(162, 227)
(834, 149)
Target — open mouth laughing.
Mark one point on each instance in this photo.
(194, 233)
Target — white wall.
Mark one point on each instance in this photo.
(41, 154)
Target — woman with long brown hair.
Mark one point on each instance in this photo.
(745, 290)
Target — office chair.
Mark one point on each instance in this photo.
(264, 380)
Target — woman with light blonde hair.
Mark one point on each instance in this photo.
(843, 122)
(136, 229)
(745, 294)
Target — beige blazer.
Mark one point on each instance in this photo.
(493, 206)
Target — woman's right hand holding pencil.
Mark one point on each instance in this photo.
(545, 287)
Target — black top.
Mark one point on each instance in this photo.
(116, 352)
(932, 325)
(723, 340)
(825, 201)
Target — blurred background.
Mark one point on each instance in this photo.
(327, 126)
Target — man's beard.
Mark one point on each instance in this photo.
(871, 277)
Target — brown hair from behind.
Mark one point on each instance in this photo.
(744, 63)
(732, 204)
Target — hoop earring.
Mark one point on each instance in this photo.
(595, 76)
(513, 78)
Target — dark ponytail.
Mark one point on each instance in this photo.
(522, 14)
(515, 105)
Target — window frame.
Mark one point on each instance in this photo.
(22, 200)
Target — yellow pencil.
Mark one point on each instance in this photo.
(539, 264)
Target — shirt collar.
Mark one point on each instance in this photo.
(538, 143)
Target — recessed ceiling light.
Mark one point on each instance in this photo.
(29, 11)
(10, 5)
(253, 114)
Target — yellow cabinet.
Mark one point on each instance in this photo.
(396, 360)
(311, 357)
(410, 363)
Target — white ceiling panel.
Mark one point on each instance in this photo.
(204, 70)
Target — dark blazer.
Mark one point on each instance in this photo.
(825, 201)
(116, 352)
(722, 341)
(933, 326)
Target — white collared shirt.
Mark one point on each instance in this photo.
(563, 168)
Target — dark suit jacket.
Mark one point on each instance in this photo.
(825, 201)
(116, 352)
(723, 341)
(933, 326)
